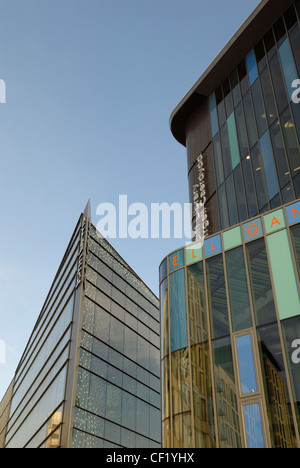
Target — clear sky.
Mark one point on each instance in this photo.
(91, 85)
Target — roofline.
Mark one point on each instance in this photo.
(258, 23)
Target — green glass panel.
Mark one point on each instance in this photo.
(274, 221)
(233, 141)
(232, 238)
(284, 276)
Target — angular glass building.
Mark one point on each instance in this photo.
(90, 374)
(230, 306)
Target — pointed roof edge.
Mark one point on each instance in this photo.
(87, 210)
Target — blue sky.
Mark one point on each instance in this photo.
(91, 85)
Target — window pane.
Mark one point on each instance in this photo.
(291, 331)
(259, 176)
(252, 67)
(288, 66)
(218, 160)
(233, 216)
(269, 166)
(246, 364)
(242, 132)
(291, 141)
(253, 423)
(295, 41)
(261, 118)
(295, 231)
(268, 96)
(226, 395)
(223, 207)
(233, 141)
(249, 187)
(213, 115)
(283, 169)
(197, 304)
(276, 390)
(226, 150)
(178, 318)
(278, 83)
(240, 194)
(164, 318)
(217, 296)
(250, 121)
(284, 275)
(238, 290)
(262, 293)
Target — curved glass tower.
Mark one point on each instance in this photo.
(230, 305)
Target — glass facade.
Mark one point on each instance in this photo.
(252, 157)
(90, 374)
(233, 381)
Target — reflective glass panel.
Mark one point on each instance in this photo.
(246, 364)
(295, 231)
(241, 129)
(178, 318)
(291, 141)
(197, 304)
(253, 424)
(213, 115)
(233, 141)
(291, 331)
(278, 83)
(249, 187)
(281, 425)
(261, 285)
(283, 169)
(164, 318)
(250, 120)
(238, 290)
(288, 65)
(259, 177)
(260, 113)
(269, 165)
(217, 296)
(252, 67)
(226, 394)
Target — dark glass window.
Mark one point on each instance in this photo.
(220, 106)
(259, 177)
(290, 17)
(297, 185)
(280, 33)
(226, 150)
(260, 55)
(243, 77)
(295, 41)
(250, 120)
(270, 43)
(218, 160)
(236, 93)
(268, 96)
(197, 304)
(269, 165)
(295, 231)
(261, 285)
(223, 207)
(287, 193)
(291, 141)
(249, 187)
(283, 170)
(242, 132)
(233, 216)
(212, 212)
(291, 331)
(274, 375)
(228, 97)
(278, 83)
(261, 118)
(240, 194)
(238, 290)
(217, 296)
(178, 317)
(227, 407)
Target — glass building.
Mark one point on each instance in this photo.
(90, 373)
(230, 305)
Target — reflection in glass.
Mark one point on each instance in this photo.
(249, 187)
(253, 424)
(217, 296)
(259, 176)
(238, 290)
(226, 394)
(275, 382)
(246, 364)
(291, 141)
(197, 304)
(164, 318)
(261, 285)
(283, 169)
(178, 318)
(291, 332)
(295, 231)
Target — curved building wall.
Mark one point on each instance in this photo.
(248, 132)
(231, 337)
